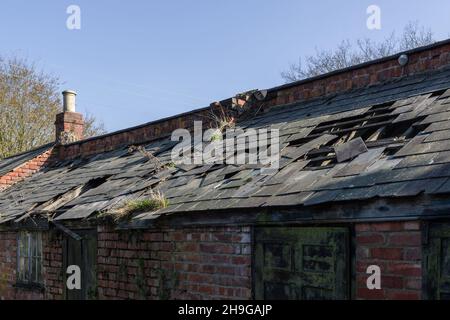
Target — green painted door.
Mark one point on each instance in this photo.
(82, 253)
(301, 263)
(437, 262)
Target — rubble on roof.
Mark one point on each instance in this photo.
(391, 140)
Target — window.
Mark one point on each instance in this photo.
(29, 258)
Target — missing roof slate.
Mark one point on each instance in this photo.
(361, 130)
(385, 118)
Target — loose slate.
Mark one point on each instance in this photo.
(360, 163)
(350, 150)
(82, 211)
(374, 170)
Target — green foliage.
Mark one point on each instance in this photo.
(3, 282)
(140, 280)
(216, 136)
(155, 202)
(170, 165)
(143, 205)
(168, 281)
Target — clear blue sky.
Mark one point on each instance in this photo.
(137, 61)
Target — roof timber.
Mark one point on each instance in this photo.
(416, 208)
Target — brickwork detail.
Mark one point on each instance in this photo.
(52, 269)
(69, 123)
(209, 263)
(206, 263)
(366, 75)
(396, 248)
(25, 170)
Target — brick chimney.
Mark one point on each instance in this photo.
(69, 124)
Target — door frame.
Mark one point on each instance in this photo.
(432, 232)
(83, 234)
(350, 249)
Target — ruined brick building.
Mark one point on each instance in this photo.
(363, 179)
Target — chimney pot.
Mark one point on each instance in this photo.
(69, 123)
(69, 101)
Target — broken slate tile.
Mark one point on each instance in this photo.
(360, 163)
(350, 150)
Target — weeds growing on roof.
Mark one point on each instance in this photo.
(170, 165)
(155, 202)
(157, 164)
(222, 119)
(217, 136)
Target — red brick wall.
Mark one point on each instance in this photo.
(53, 265)
(210, 263)
(25, 170)
(368, 74)
(396, 248)
(69, 122)
(141, 134)
(205, 263)
(52, 269)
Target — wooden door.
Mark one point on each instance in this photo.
(437, 262)
(82, 253)
(301, 263)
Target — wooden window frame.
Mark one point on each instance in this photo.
(30, 272)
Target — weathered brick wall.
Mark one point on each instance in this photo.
(71, 122)
(365, 75)
(396, 248)
(201, 263)
(25, 170)
(140, 134)
(8, 249)
(210, 263)
(52, 269)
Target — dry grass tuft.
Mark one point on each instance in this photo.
(155, 202)
(157, 164)
(222, 118)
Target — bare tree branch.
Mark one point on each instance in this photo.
(347, 54)
(29, 102)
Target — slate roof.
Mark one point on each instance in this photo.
(10, 163)
(404, 126)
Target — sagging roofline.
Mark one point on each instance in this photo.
(423, 208)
